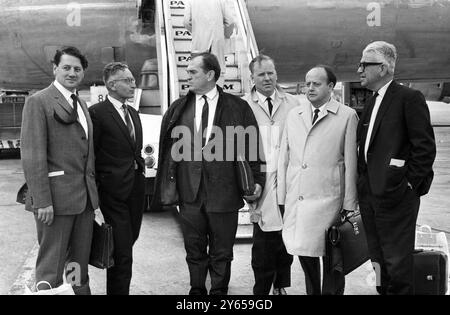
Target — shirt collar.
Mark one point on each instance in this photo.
(381, 92)
(210, 95)
(321, 108)
(65, 92)
(263, 98)
(117, 104)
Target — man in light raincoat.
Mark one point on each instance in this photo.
(317, 172)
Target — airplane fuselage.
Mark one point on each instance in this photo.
(105, 31)
(298, 34)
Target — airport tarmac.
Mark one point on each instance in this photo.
(159, 257)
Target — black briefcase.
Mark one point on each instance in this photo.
(102, 247)
(246, 182)
(346, 244)
(430, 272)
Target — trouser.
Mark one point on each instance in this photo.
(333, 281)
(270, 261)
(66, 246)
(125, 217)
(216, 231)
(390, 237)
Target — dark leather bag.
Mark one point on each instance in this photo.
(245, 177)
(346, 243)
(102, 247)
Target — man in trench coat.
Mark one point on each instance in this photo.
(270, 262)
(317, 172)
(208, 20)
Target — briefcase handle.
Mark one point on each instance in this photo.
(333, 234)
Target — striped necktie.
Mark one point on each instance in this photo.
(128, 122)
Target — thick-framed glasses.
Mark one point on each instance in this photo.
(128, 81)
(363, 65)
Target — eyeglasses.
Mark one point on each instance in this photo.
(363, 65)
(128, 81)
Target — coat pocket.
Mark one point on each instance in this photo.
(396, 186)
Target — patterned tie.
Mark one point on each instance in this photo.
(74, 115)
(128, 121)
(269, 102)
(316, 115)
(205, 114)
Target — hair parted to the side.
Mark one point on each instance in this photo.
(71, 51)
(385, 50)
(210, 62)
(259, 59)
(111, 69)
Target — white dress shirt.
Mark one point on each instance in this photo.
(321, 110)
(264, 103)
(213, 98)
(118, 106)
(381, 92)
(67, 95)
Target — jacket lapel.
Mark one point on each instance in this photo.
(219, 109)
(119, 121)
(280, 97)
(305, 113)
(60, 100)
(88, 119)
(387, 100)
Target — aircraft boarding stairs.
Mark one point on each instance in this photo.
(239, 50)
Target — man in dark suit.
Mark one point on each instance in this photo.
(203, 180)
(58, 162)
(396, 153)
(120, 167)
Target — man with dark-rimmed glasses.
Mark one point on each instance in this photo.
(396, 151)
(120, 167)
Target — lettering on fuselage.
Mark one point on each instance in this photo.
(74, 17)
(374, 17)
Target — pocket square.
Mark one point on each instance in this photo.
(56, 174)
(397, 163)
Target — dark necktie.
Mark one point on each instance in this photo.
(205, 114)
(74, 115)
(316, 115)
(269, 102)
(128, 121)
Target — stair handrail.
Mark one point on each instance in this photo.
(170, 56)
(247, 32)
(161, 48)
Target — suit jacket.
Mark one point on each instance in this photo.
(116, 153)
(317, 173)
(222, 184)
(58, 160)
(271, 132)
(402, 131)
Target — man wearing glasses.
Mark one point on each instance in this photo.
(120, 167)
(396, 151)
